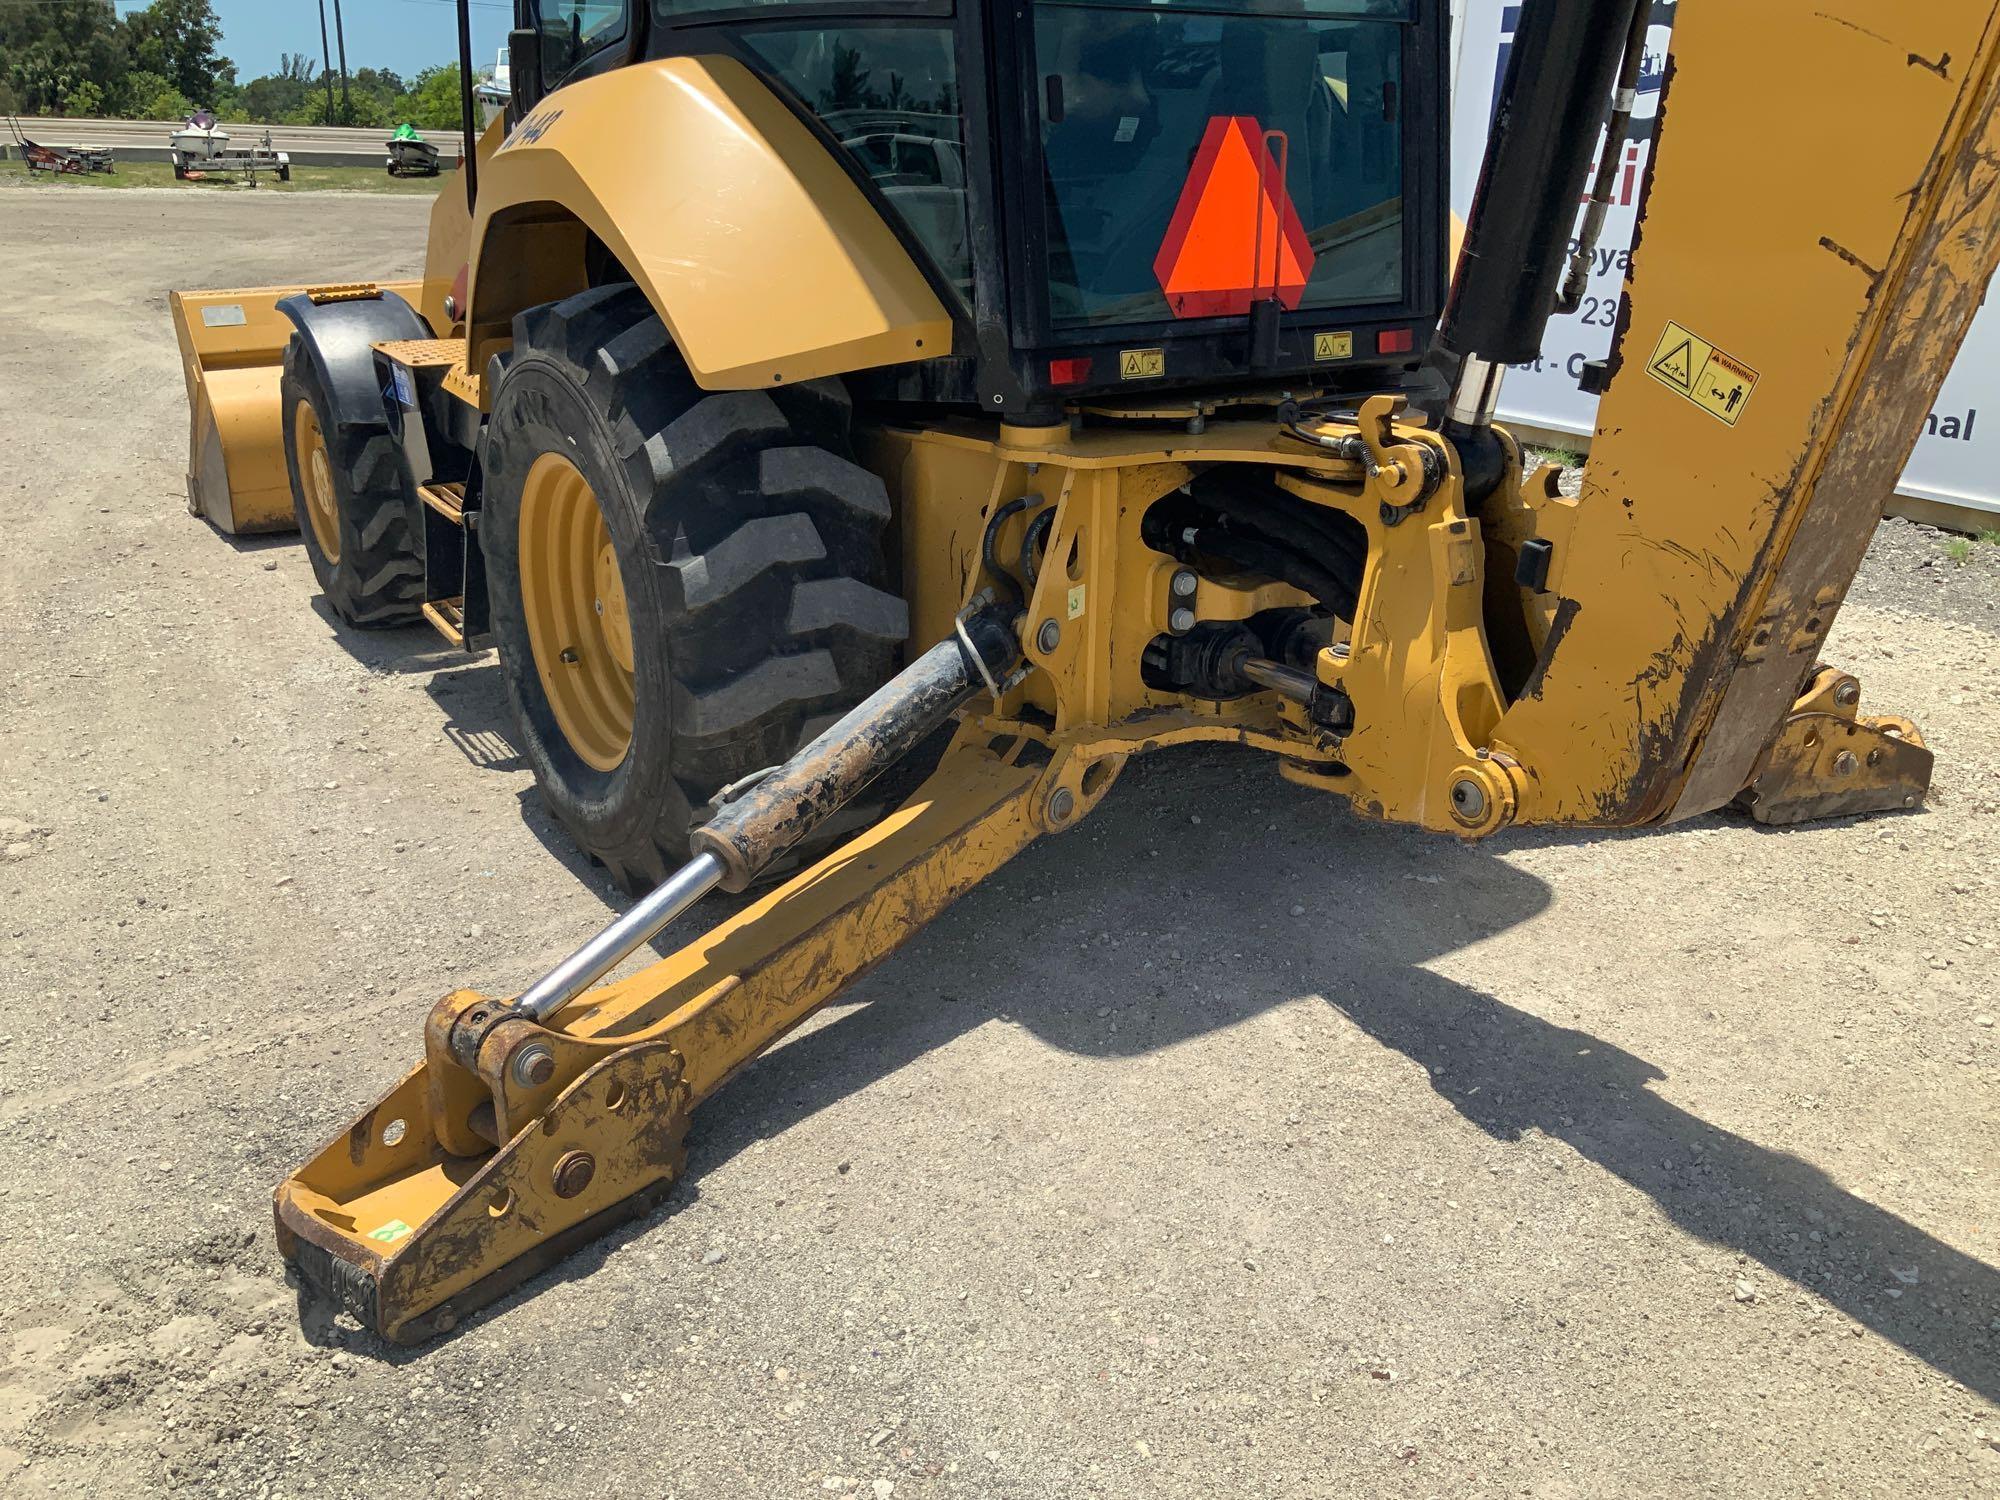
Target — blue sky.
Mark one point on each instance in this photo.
(402, 34)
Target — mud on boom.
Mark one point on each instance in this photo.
(861, 434)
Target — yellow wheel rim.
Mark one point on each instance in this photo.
(316, 478)
(573, 597)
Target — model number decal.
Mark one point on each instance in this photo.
(533, 128)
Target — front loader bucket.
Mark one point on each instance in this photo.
(233, 354)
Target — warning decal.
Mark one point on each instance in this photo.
(1142, 364)
(1694, 368)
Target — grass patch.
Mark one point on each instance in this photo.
(1564, 458)
(1990, 538)
(304, 180)
(1959, 550)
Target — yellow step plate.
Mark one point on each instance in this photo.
(448, 500)
(429, 354)
(447, 617)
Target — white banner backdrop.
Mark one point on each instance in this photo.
(1957, 460)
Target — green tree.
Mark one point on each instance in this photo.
(50, 49)
(432, 102)
(178, 39)
(384, 83)
(276, 98)
(85, 98)
(149, 96)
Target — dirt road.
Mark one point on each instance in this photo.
(1566, 1166)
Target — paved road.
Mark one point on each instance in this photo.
(138, 140)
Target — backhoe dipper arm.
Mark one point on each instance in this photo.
(1777, 352)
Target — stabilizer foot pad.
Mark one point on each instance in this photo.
(386, 1225)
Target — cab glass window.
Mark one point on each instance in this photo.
(573, 29)
(889, 97)
(1168, 129)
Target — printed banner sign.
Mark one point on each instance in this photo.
(1957, 459)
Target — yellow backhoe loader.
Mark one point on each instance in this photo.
(863, 427)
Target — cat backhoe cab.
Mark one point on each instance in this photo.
(861, 429)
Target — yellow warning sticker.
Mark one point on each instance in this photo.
(1333, 346)
(1142, 364)
(1690, 366)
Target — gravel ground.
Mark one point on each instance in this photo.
(1619, 1166)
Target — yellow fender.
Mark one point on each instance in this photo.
(764, 259)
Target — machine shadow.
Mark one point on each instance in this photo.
(1406, 898)
(477, 720)
(394, 650)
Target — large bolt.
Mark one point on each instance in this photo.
(1844, 764)
(1185, 583)
(574, 1169)
(534, 1065)
(1048, 637)
(1062, 802)
(1848, 693)
(1468, 799)
(1182, 621)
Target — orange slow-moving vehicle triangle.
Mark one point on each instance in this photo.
(1235, 235)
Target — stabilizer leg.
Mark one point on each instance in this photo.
(537, 1122)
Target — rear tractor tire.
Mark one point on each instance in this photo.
(361, 536)
(686, 587)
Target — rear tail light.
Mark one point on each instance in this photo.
(1069, 371)
(1395, 341)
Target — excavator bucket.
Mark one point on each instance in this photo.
(232, 355)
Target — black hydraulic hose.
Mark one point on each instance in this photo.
(1036, 539)
(1558, 86)
(1256, 555)
(1282, 523)
(1623, 103)
(989, 550)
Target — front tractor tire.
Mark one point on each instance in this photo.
(685, 586)
(347, 492)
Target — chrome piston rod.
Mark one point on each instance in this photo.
(610, 947)
(785, 806)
